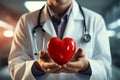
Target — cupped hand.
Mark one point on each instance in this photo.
(45, 64)
(77, 63)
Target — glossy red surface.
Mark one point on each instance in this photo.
(61, 51)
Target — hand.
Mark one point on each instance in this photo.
(78, 63)
(45, 64)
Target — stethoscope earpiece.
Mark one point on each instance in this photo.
(86, 37)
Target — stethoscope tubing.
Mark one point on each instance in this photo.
(86, 36)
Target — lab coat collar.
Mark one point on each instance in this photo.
(69, 27)
(47, 23)
(49, 28)
(77, 15)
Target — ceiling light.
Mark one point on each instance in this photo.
(6, 25)
(111, 33)
(118, 35)
(8, 33)
(114, 24)
(34, 5)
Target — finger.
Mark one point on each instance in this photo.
(68, 69)
(80, 53)
(51, 67)
(81, 65)
(55, 70)
(44, 56)
(76, 64)
(77, 55)
(41, 54)
(72, 67)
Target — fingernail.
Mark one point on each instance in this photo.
(60, 66)
(64, 65)
(79, 50)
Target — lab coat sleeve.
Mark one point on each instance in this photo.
(100, 63)
(37, 73)
(21, 55)
(84, 75)
(101, 59)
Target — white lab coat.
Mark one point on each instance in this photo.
(97, 51)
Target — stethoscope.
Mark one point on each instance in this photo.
(86, 37)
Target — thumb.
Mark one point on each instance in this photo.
(41, 54)
(44, 56)
(79, 53)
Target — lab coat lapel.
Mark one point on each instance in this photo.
(47, 23)
(75, 15)
(49, 28)
(74, 19)
(69, 27)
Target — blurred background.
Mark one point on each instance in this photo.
(11, 10)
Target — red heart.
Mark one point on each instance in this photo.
(61, 51)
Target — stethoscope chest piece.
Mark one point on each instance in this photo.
(86, 38)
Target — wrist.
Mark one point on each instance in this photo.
(86, 71)
(86, 65)
(38, 66)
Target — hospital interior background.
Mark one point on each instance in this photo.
(11, 10)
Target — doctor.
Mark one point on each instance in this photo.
(29, 60)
